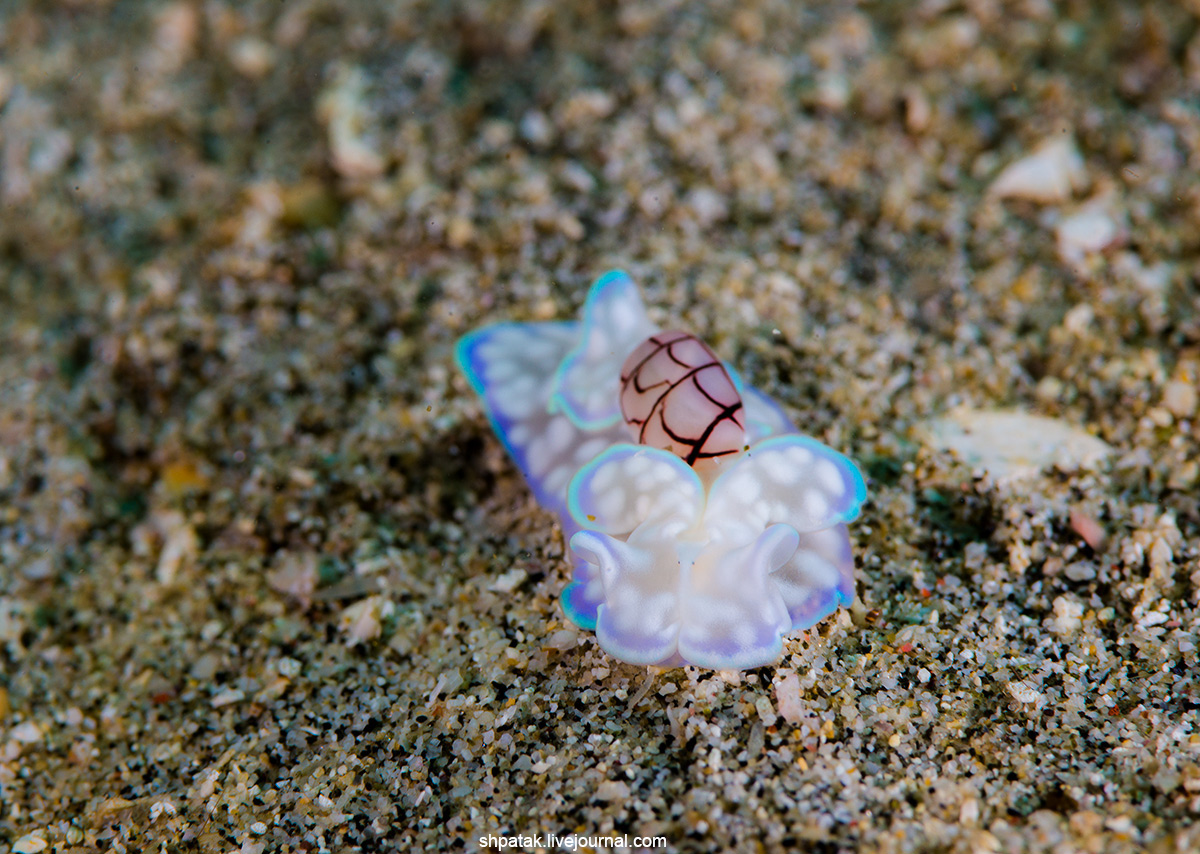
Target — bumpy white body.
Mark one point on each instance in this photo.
(673, 566)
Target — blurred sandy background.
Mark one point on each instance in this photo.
(268, 582)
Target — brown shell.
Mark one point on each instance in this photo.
(676, 395)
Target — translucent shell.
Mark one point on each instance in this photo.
(677, 396)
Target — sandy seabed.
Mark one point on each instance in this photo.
(269, 583)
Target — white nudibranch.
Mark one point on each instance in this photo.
(704, 526)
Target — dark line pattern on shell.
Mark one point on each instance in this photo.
(697, 420)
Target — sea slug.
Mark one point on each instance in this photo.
(704, 526)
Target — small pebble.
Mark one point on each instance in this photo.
(766, 712)
(343, 107)
(1088, 230)
(1080, 571)
(788, 698)
(227, 697)
(1050, 174)
(31, 843)
(1180, 397)
(1024, 694)
(612, 790)
(1066, 620)
(1088, 528)
(26, 733)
